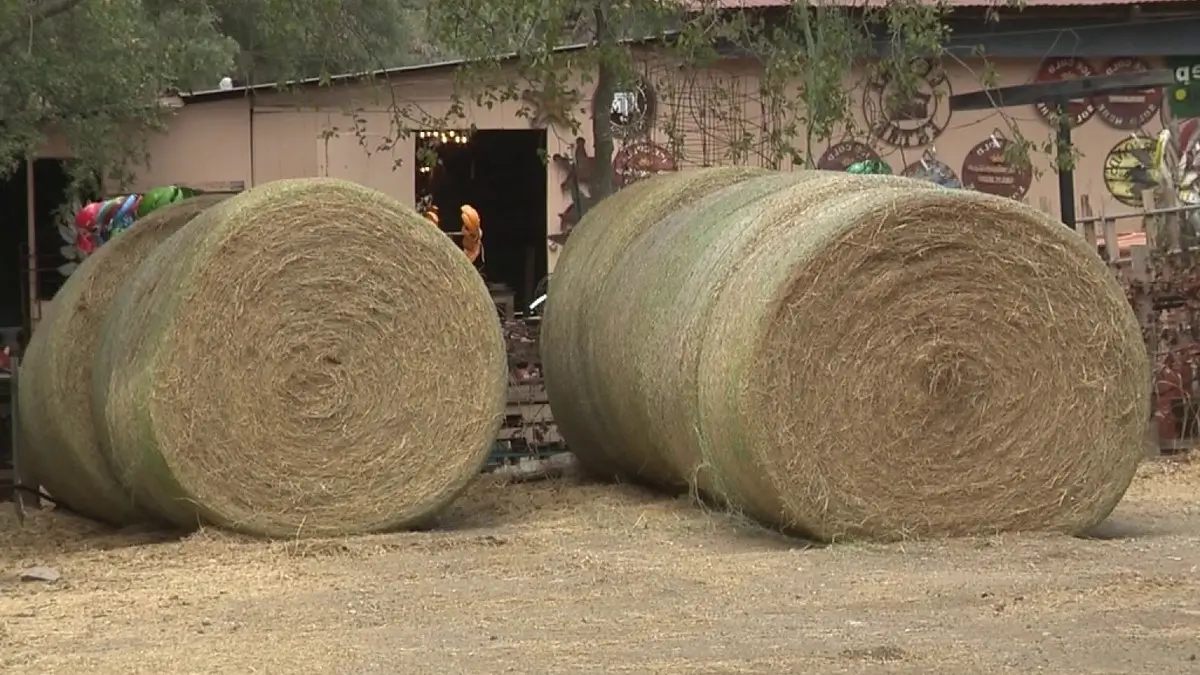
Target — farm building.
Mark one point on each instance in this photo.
(229, 139)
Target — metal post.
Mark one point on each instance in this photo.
(23, 480)
(31, 233)
(1066, 177)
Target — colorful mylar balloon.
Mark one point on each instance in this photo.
(97, 222)
(870, 166)
(85, 219)
(160, 197)
(125, 215)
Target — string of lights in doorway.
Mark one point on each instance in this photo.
(451, 137)
(432, 139)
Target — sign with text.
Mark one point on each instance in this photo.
(840, 156)
(987, 169)
(1079, 110)
(912, 123)
(1128, 110)
(1184, 98)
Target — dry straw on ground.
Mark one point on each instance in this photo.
(56, 395)
(308, 358)
(849, 356)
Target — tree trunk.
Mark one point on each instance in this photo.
(606, 82)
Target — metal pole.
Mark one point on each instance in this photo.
(31, 234)
(1066, 176)
(19, 471)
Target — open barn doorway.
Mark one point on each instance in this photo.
(502, 175)
(50, 181)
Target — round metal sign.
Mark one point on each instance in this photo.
(1079, 110)
(641, 160)
(985, 169)
(840, 156)
(1127, 171)
(1128, 110)
(912, 123)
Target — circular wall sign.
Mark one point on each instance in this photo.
(632, 110)
(933, 170)
(1080, 110)
(1126, 172)
(840, 156)
(1129, 110)
(912, 123)
(641, 160)
(986, 170)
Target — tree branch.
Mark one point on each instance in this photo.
(48, 9)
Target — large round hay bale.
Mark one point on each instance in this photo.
(851, 357)
(56, 384)
(308, 358)
(605, 438)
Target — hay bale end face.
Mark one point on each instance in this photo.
(856, 357)
(309, 358)
(56, 383)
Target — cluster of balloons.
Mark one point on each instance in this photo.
(98, 222)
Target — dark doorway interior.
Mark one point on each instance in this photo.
(502, 174)
(13, 230)
(50, 180)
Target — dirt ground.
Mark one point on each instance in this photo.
(565, 577)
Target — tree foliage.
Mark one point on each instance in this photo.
(811, 57)
(89, 68)
(281, 40)
(96, 70)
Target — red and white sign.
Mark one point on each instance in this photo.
(1128, 111)
(1079, 110)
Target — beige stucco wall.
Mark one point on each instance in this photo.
(313, 134)
(206, 145)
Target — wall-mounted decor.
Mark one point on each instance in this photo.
(633, 109)
(1079, 110)
(934, 170)
(578, 170)
(985, 169)
(840, 156)
(912, 123)
(640, 160)
(1129, 110)
(1127, 169)
(576, 167)
(631, 163)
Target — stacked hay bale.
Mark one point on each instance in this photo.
(56, 384)
(847, 356)
(306, 358)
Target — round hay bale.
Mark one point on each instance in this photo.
(858, 357)
(604, 440)
(308, 358)
(56, 384)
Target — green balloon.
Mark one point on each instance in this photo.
(870, 167)
(157, 198)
